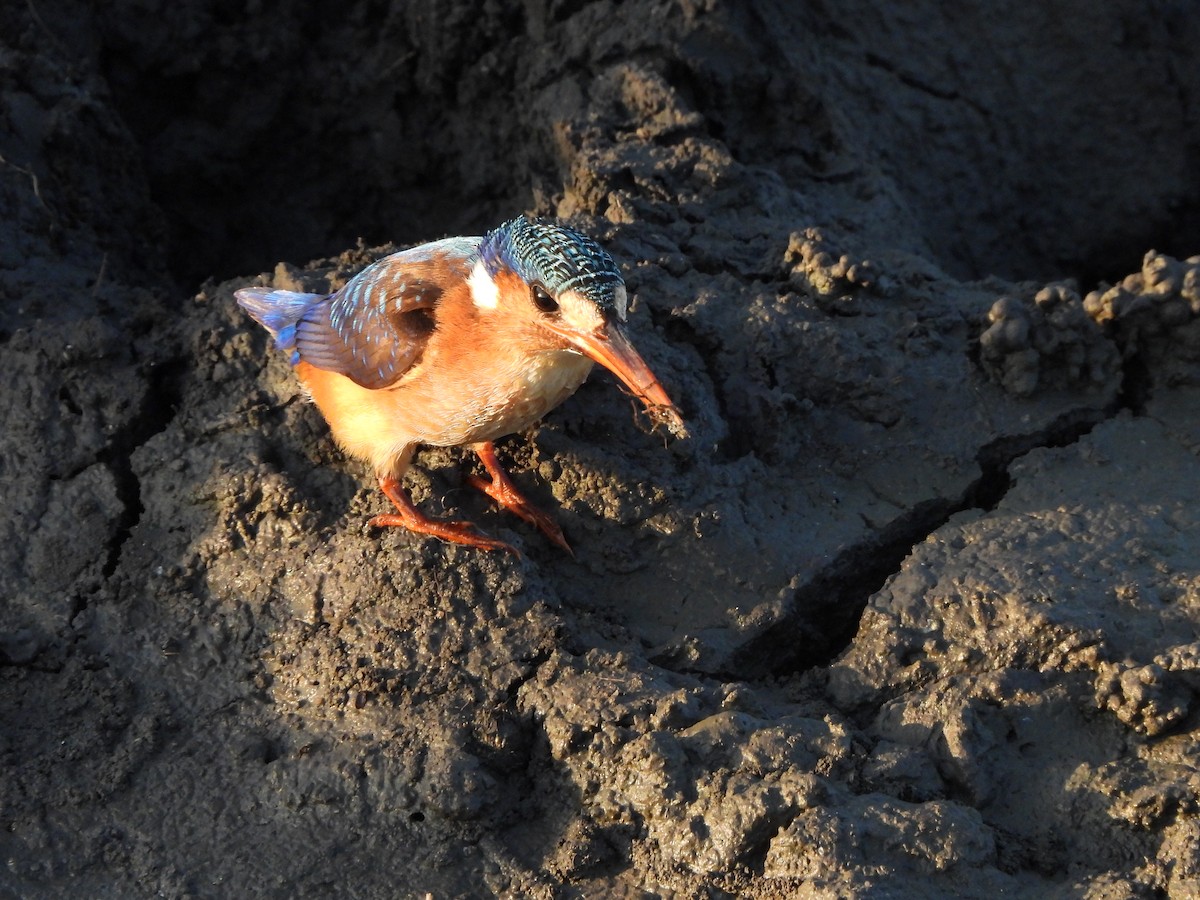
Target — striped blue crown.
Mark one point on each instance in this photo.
(558, 258)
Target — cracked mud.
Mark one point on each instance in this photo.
(915, 611)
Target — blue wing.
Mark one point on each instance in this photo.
(375, 328)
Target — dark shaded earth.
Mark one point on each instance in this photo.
(914, 612)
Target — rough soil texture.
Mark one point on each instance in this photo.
(914, 613)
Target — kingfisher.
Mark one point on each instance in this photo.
(459, 342)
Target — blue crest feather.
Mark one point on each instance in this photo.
(558, 258)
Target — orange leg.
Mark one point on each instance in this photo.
(459, 532)
(503, 491)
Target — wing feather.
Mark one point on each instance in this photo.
(375, 328)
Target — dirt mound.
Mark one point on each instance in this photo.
(913, 612)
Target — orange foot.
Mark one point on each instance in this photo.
(459, 532)
(503, 491)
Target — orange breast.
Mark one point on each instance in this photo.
(480, 376)
(362, 420)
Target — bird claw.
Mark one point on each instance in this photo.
(519, 506)
(503, 491)
(455, 531)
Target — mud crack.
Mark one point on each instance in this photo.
(154, 416)
(826, 608)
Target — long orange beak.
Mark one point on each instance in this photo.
(611, 348)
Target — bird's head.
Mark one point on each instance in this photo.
(567, 293)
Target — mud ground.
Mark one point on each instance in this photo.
(914, 613)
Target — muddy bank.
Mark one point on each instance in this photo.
(913, 613)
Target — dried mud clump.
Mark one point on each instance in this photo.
(1048, 342)
(1153, 316)
(1057, 339)
(1142, 697)
(817, 269)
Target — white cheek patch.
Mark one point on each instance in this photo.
(484, 291)
(579, 312)
(621, 301)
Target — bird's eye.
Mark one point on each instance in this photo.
(543, 301)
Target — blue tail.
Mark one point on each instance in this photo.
(279, 312)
